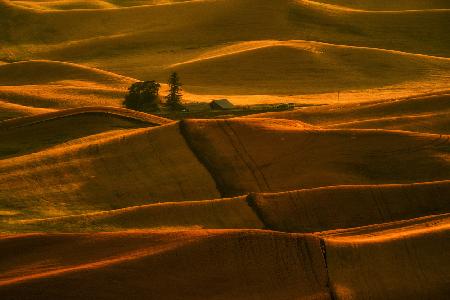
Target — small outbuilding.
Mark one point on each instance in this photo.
(221, 104)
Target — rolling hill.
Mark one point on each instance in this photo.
(50, 84)
(265, 155)
(10, 110)
(422, 113)
(34, 133)
(269, 265)
(345, 196)
(411, 263)
(391, 5)
(106, 172)
(340, 207)
(137, 41)
(232, 213)
(281, 155)
(124, 200)
(307, 68)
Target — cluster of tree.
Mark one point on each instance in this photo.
(144, 95)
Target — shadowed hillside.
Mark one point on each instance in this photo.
(253, 155)
(34, 133)
(252, 264)
(406, 262)
(337, 207)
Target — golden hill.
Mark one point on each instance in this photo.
(306, 67)
(113, 112)
(384, 262)
(343, 200)
(44, 72)
(143, 166)
(311, 67)
(434, 123)
(200, 264)
(426, 113)
(338, 207)
(50, 84)
(138, 41)
(65, 4)
(83, 4)
(10, 110)
(333, 208)
(135, 167)
(114, 181)
(34, 133)
(267, 155)
(233, 213)
(390, 5)
(261, 264)
(107, 4)
(280, 19)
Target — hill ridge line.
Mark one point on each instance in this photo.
(107, 110)
(251, 199)
(137, 254)
(318, 4)
(262, 44)
(382, 227)
(12, 5)
(337, 7)
(66, 63)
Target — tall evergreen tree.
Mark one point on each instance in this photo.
(173, 99)
(143, 96)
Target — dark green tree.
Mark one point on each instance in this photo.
(173, 99)
(133, 98)
(143, 95)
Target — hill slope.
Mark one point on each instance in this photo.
(233, 213)
(300, 67)
(50, 84)
(34, 133)
(426, 113)
(343, 200)
(115, 181)
(137, 167)
(265, 155)
(42, 72)
(252, 264)
(391, 5)
(139, 42)
(338, 207)
(10, 110)
(409, 261)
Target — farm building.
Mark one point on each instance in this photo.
(221, 104)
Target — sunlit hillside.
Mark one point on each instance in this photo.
(218, 46)
(325, 176)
